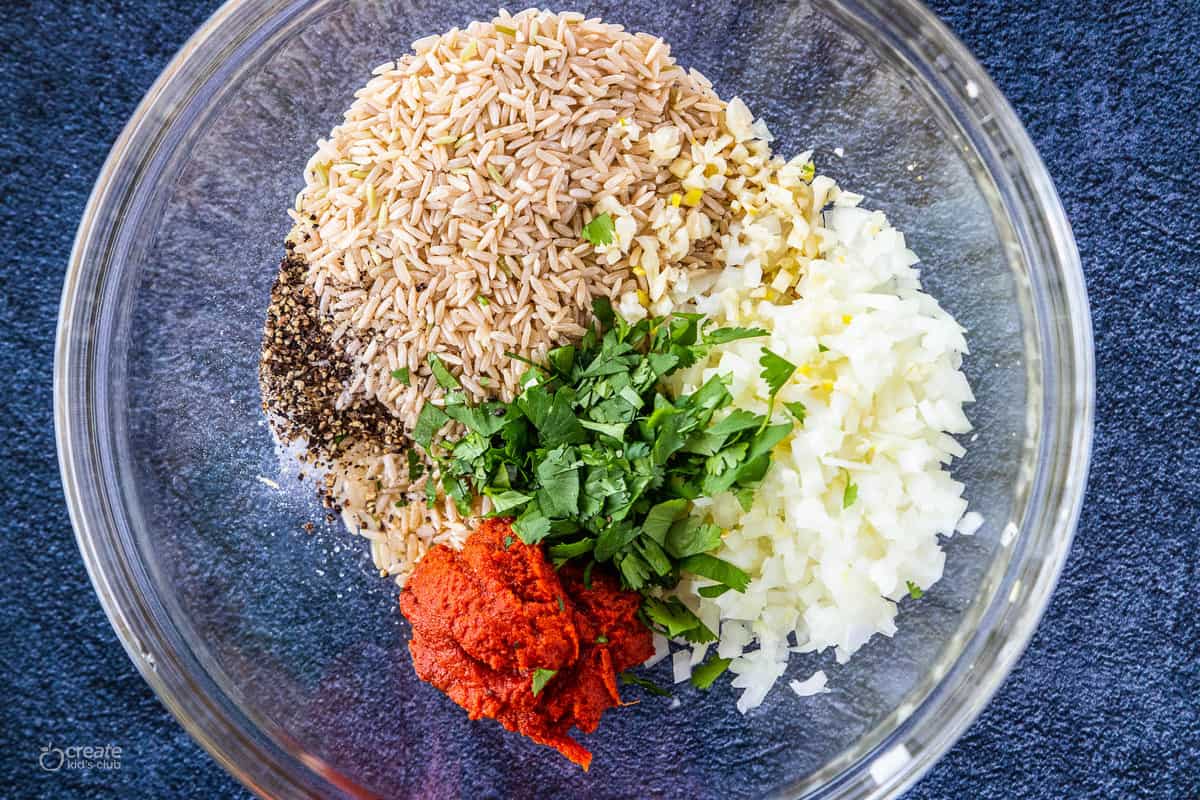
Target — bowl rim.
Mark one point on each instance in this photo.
(267, 770)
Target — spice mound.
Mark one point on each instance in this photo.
(507, 637)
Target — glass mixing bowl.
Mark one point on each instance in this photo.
(282, 652)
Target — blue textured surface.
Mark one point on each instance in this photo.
(1103, 704)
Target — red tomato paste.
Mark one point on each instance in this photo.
(486, 620)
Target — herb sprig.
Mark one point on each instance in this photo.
(594, 460)
(599, 230)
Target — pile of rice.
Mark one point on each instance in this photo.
(444, 214)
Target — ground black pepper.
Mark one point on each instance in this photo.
(302, 375)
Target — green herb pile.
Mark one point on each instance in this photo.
(598, 463)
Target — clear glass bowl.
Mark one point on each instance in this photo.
(283, 653)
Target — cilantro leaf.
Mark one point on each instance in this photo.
(662, 363)
(415, 466)
(457, 491)
(558, 474)
(850, 494)
(470, 447)
(553, 415)
(506, 500)
(704, 675)
(653, 555)
(571, 549)
(613, 430)
(797, 410)
(690, 536)
(613, 539)
(699, 634)
(715, 590)
(726, 335)
(716, 569)
(599, 231)
(914, 591)
(482, 420)
(540, 678)
(561, 359)
(635, 572)
(724, 460)
(644, 683)
(602, 310)
(766, 439)
(429, 422)
(402, 375)
(662, 516)
(710, 441)
(738, 420)
(745, 498)
(532, 526)
(676, 618)
(776, 370)
(443, 376)
(708, 398)
(670, 437)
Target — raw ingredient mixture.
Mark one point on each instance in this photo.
(551, 302)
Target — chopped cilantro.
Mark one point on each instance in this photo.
(508, 540)
(540, 678)
(914, 591)
(444, 378)
(560, 602)
(602, 639)
(822, 348)
(599, 231)
(673, 618)
(415, 467)
(429, 422)
(798, 410)
(776, 370)
(597, 461)
(649, 685)
(402, 376)
(704, 675)
(690, 536)
(662, 516)
(715, 569)
(532, 526)
(850, 494)
(506, 500)
(726, 335)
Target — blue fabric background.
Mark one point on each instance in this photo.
(1105, 703)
